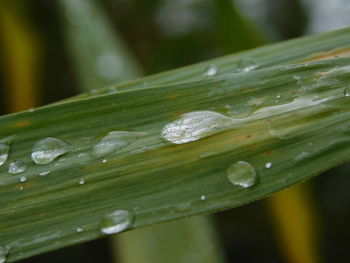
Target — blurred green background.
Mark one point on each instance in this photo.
(51, 50)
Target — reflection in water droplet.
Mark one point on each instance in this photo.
(16, 167)
(268, 165)
(212, 70)
(48, 149)
(23, 179)
(242, 174)
(116, 222)
(194, 126)
(4, 152)
(104, 160)
(247, 64)
(114, 141)
(43, 173)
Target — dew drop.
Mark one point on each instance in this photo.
(268, 165)
(4, 152)
(81, 181)
(23, 179)
(247, 64)
(16, 167)
(182, 207)
(43, 173)
(116, 222)
(347, 92)
(242, 174)
(79, 229)
(104, 160)
(203, 197)
(194, 126)
(114, 141)
(48, 149)
(3, 253)
(212, 70)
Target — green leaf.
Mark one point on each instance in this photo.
(295, 117)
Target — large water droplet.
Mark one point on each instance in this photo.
(16, 167)
(242, 174)
(212, 70)
(247, 64)
(194, 126)
(48, 149)
(4, 152)
(114, 141)
(3, 253)
(116, 222)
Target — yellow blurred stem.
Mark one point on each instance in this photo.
(21, 54)
(295, 223)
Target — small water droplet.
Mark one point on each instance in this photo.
(43, 173)
(212, 70)
(16, 167)
(242, 174)
(4, 251)
(116, 222)
(81, 181)
(114, 141)
(247, 64)
(79, 229)
(48, 149)
(203, 197)
(268, 165)
(23, 179)
(194, 126)
(347, 92)
(21, 188)
(182, 207)
(104, 160)
(4, 152)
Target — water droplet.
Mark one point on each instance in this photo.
(21, 188)
(48, 149)
(16, 167)
(302, 156)
(104, 160)
(182, 207)
(43, 173)
(116, 222)
(4, 152)
(79, 229)
(81, 181)
(268, 165)
(242, 174)
(212, 70)
(114, 141)
(203, 197)
(23, 179)
(3, 253)
(347, 92)
(194, 126)
(247, 64)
